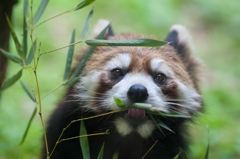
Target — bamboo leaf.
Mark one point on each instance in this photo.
(25, 8)
(24, 45)
(149, 150)
(100, 155)
(86, 26)
(40, 11)
(30, 55)
(69, 57)
(84, 141)
(11, 56)
(17, 44)
(115, 156)
(160, 123)
(25, 15)
(11, 80)
(28, 91)
(132, 42)
(174, 115)
(74, 81)
(207, 152)
(184, 153)
(28, 126)
(84, 4)
(118, 102)
(88, 54)
(155, 122)
(176, 157)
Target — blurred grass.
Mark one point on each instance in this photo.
(214, 26)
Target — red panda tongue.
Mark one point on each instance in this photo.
(136, 113)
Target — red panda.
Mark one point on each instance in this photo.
(165, 77)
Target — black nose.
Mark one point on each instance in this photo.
(137, 93)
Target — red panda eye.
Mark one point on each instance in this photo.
(160, 78)
(116, 73)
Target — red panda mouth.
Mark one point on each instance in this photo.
(136, 113)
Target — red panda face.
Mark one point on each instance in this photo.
(157, 76)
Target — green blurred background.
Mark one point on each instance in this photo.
(215, 29)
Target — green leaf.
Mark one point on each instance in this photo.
(88, 54)
(17, 44)
(40, 11)
(28, 126)
(84, 141)
(74, 81)
(132, 42)
(25, 15)
(174, 115)
(86, 26)
(28, 61)
(28, 91)
(25, 8)
(176, 157)
(207, 152)
(119, 102)
(11, 80)
(115, 156)
(11, 56)
(69, 57)
(155, 122)
(184, 153)
(24, 45)
(84, 4)
(160, 123)
(149, 150)
(100, 155)
(142, 105)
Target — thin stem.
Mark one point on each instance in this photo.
(75, 137)
(81, 120)
(26, 67)
(39, 96)
(54, 17)
(60, 48)
(54, 89)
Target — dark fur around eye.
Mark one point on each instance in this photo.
(160, 78)
(117, 73)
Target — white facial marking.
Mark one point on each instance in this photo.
(146, 129)
(190, 98)
(123, 127)
(121, 88)
(122, 61)
(158, 65)
(86, 88)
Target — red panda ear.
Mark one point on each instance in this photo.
(101, 24)
(179, 38)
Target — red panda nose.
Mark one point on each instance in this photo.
(137, 93)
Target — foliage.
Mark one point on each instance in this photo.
(212, 23)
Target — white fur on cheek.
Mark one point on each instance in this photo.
(191, 99)
(87, 86)
(146, 129)
(123, 127)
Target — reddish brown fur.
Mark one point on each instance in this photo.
(141, 57)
